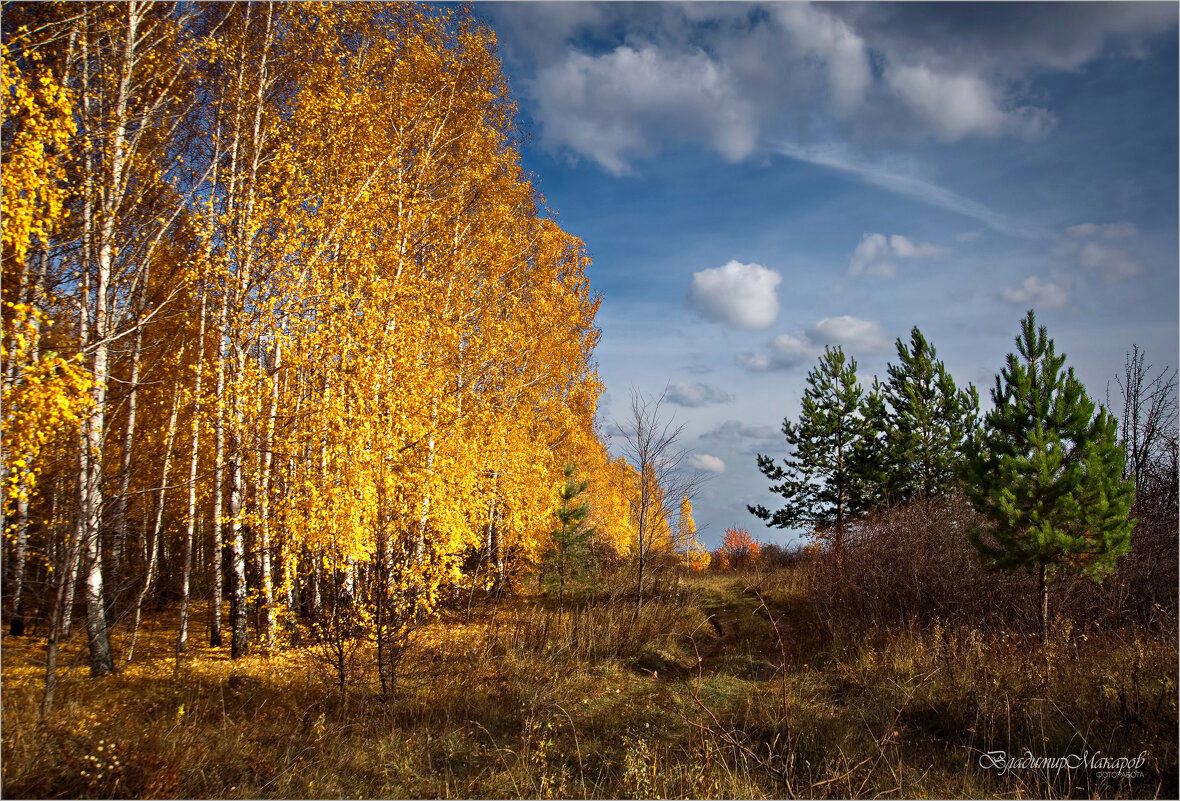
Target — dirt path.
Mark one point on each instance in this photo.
(666, 668)
(741, 637)
(723, 633)
(724, 610)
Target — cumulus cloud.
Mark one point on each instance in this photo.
(787, 351)
(761, 362)
(1033, 292)
(876, 254)
(961, 105)
(706, 462)
(736, 294)
(828, 39)
(793, 348)
(625, 103)
(698, 394)
(850, 332)
(730, 79)
(872, 256)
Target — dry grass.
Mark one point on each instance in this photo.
(512, 704)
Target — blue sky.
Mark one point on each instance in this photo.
(756, 181)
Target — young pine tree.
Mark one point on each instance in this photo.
(1047, 473)
(568, 560)
(877, 478)
(929, 423)
(822, 480)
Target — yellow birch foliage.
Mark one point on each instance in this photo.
(371, 251)
(39, 109)
(696, 556)
(42, 392)
(439, 328)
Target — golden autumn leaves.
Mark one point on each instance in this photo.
(41, 391)
(303, 234)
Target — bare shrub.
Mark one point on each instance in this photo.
(913, 565)
(1143, 589)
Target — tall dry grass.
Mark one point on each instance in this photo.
(508, 701)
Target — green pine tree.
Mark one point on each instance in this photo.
(566, 564)
(1046, 471)
(929, 423)
(820, 479)
(871, 464)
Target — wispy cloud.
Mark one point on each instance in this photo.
(838, 158)
(1117, 230)
(1112, 264)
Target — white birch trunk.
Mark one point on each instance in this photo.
(186, 574)
(153, 558)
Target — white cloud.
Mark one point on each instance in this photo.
(1114, 265)
(962, 104)
(698, 394)
(624, 103)
(850, 332)
(876, 254)
(1118, 230)
(827, 38)
(722, 76)
(908, 250)
(736, 294)
(793, 349)
(706, 462)
(871, 256)
(967, 236)
(787, 351)
(1038, 294)
(758, 362)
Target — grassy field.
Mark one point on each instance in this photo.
(700, 697)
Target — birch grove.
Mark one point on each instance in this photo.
(286, 323)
